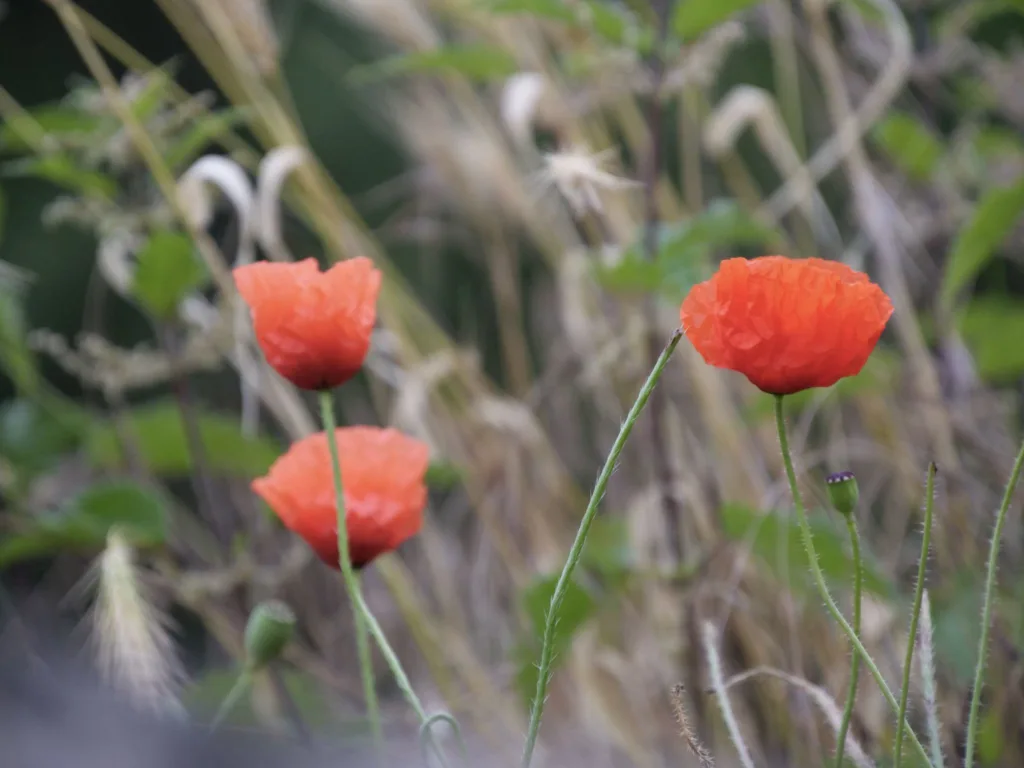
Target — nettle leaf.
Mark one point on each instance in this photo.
(202, 132)
(61, 170)
(992, 329)
(685, 250)
(82, 525)
(167, 270)
(994, 218)
(476, 62)
(693, 18)
(909, 145)
(159, 434)
(775, 539)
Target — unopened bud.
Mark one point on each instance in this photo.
(843, 492)
(270, 627)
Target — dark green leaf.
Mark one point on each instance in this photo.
(33, 436)
(992, 330)
(20, 133)
(159, 435)
(168, 269)
(993, 220)
(476, 62)
(909, 145)
(83, 524)
(61, 170)
(16, 360)
(693, 18)
(776, 540)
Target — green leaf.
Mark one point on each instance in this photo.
(993, 220)
(693, 18)
(159, 435)
(909, 145)
(33, 437)
(685, 249)
(476, 62)
(83, 524)
(577, 607)
(155, 93)
(203, 132)
(16, 360)
(20, 132)
(443, 475)
(992, 329)
(61, 170)
(167, 271)
(956, 627)
(607, 550)
(775, 539)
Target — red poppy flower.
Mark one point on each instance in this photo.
(786, 324)
(313, 327)
(382, 471)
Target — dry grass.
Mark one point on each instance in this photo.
(573, 355)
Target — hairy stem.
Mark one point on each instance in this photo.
(851, 696)
(986, 611)
(915, 615)
(349, 574)
(551, 621)
(819, 578)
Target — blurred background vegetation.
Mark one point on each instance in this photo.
(541, 181)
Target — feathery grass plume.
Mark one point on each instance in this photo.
(135, 652)
(579, 174)
(927, 661)
(686, 731)
(718, 685)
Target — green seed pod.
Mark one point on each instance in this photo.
(843, 492)
(271, 625)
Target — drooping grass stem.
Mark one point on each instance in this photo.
(551, 621)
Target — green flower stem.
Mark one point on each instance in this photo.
(230, 701)
(819, 578)
(350, 576)
(551, 620)
(986, 611)
(915, 615)
(851, 696)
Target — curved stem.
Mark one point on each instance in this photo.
(986, 611)
(819, 579)
(551, 621)
(349, 575)
(231, 700)
(915, 615)
(851, 697)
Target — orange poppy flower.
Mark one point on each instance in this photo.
(383, 474)
(786, 324)
(313, 327)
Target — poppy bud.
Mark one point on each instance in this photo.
(843, 492)
(270, 627)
